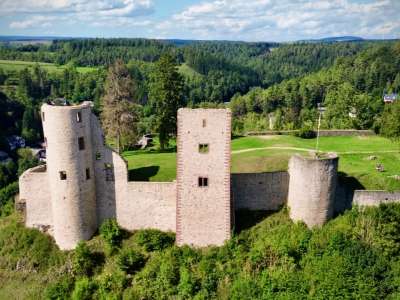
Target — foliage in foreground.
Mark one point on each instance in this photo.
(355, 255)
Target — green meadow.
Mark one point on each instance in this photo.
(272, 153)
(16, 65)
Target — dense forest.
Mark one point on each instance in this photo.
(351, 91)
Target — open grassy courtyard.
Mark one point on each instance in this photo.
(272, 153)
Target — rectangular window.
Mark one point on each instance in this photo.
(79, 117)
(63, 175)
(87, 174)
(81, 143)
(203, 181)
(108, 168)
(204, 123)
(98, 155)
(203, 148)
(42, 116)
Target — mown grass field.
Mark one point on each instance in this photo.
(16, 65)
(272, 153)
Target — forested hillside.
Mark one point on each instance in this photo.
(351, 91)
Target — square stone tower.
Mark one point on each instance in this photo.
(203, 177)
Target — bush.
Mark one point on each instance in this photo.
(60, 290)
(131, 261)
(111, 285)
(26, 160)
(111, 233)
(306, 133)
(83, 262)
(153, 240)
(7, 197)
(84, 289)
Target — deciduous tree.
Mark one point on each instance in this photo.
(119, 109)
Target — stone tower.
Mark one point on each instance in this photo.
(203, 177)
(312, 188)
(70, 167)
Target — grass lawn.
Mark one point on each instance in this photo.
(263, 154)
(16, 65)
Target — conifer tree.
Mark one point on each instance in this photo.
(166, 93)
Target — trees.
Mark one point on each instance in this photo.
(31, 125)
(166, 94)
(390, 126)
(119, 114)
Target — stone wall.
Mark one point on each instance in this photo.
(203, 212)
(148, 205)
(34, 191)
(110, 187)
(260, 191)
(374, 198)
(312, 188)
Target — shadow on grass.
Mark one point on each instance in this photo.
(245, 219)
(143, 174)
(345, 192)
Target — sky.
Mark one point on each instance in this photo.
(246, 20)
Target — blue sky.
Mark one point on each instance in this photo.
(249, 20)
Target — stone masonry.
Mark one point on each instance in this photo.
(203, 175)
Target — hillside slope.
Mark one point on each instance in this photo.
(355, 256)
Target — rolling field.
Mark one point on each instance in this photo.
(16, 65)
(264, 154)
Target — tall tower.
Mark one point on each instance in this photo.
(203, 177)
(67, 131)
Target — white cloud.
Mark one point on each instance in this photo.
(285, 19)
(91, 12)
(35, 21)
(102, 7)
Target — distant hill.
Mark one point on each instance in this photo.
(335, 39)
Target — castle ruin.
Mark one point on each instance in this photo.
(84, 182)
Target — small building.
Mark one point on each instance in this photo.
(390, 98)
(353, 113)
(39, 153)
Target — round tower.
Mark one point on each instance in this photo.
(312, 187)
(67, 132)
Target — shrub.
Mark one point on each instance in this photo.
(153, 240)
(7, 196)
(60, 290)
(84, 289)
(83, 262)
(306, 133)
(111, 285)
(131, 261)
(111, 233)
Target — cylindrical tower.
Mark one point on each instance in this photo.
(67, 132)
(312, 187)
